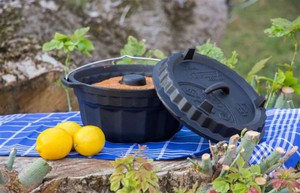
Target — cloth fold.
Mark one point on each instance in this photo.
(282, 129)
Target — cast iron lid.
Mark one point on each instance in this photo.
(207, 96)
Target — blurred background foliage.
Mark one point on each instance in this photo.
(245, 34)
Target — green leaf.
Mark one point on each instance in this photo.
(297, 89)
(125, 182)
(115, 185)
(232, 60)
(296, 23)
(79, 33)
(287, 67)
(220, 185)
(233, 177)
(246, 174)
(85, 44)
(145, 186)
(255, 170)
(135, 191)
(233, 169)
(60, 46)
(280, 77)
(257, 67)
(240, 162)
(211, 50)
(280, 27)
(239, 188)
(123, 190)
(264, 78)
(53, 44)
(71, 48)
(130, 174)
(158, 54)
(126, 61)
(133, 47)
(290, 80)
(60, 37)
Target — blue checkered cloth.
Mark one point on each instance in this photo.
(282, 129)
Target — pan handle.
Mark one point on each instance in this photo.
(109, 60)
(69, 83)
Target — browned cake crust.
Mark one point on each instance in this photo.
(115, 82)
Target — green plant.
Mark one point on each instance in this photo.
(289, 30)
(226, 170)
(286, 179)
(239, 179)
(134, 174)
(25, 180)
(194, 189)
(211, 50)
(69, 44)
(133, 47)
(229, 170)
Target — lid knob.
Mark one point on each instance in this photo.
(133, 80)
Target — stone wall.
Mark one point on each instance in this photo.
(169, 25)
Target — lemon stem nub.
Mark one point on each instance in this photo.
(34, 174)
(11, 159)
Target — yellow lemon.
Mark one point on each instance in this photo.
(89, 140)
(69, 126)
(54, 144)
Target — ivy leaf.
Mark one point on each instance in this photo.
(220, 185)
(257, 67)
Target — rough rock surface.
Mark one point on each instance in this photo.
(25, 25)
